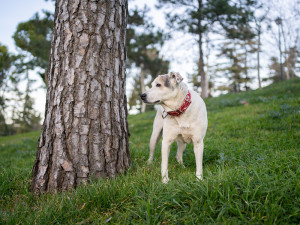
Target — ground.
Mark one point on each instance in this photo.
(251, 172)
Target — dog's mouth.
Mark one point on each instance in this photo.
(145, 101)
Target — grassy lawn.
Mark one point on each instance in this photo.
(251, 172)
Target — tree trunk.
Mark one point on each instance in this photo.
(246, 66)
(85, 131)
(204, 81)
(209, 88)
(285, 64)
(258, 57)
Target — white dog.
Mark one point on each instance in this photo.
(182, 117)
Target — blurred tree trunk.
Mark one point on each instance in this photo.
(208, 78)
(258, 56)
(203, 75)
(85, 131)
(287, 70)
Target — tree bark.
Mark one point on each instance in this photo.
(85, 131)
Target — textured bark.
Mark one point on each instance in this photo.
(85, 131)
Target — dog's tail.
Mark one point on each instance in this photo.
(156, 133)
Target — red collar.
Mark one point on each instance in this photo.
(186, 103)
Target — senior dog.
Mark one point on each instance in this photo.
(181, 117)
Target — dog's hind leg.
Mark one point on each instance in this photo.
(180, 148)
(156, 134)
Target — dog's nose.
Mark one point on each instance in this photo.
(143, 96)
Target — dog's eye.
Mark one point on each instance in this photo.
(158, 85)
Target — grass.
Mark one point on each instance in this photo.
(251, 172)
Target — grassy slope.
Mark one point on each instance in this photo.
(251, 172)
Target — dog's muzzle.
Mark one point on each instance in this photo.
(144, 97)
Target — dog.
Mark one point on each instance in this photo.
(181, 117)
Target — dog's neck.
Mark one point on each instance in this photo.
(175, 102)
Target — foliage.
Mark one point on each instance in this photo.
(237, 69)
(143, 44)
(34, 37)
(13, 100)
(203, 17)
(6, 62)
(26, 118)
(152, 66)
(141, 36)
(251, 172)
(239, 45)
(290, 63)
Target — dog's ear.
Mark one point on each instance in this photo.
(176, 76)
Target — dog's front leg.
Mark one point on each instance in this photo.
(156, 134)
(198, 150)
(165, 150)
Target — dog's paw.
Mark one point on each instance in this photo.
(179, 159)
(199, 177)
(181, 164)
(165, 180)
(149, 161)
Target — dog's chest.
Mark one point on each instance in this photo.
(187, 138)
(185, 131)
(185, 134)
(183, 125)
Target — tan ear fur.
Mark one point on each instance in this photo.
(176, 76)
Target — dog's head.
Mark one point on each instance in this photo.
(164, 87)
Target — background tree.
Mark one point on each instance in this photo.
(16, 104)
(200, 17)
(275, 72)
(291, 63)
(237, 68)
(34, 37)
(85, 131)
(152, 66)
(24, 117)
(283, 31)
(260, 17)
(143, 44)
(190, 20)
(240, 45)
(6, 62)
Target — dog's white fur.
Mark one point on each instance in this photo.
(189, 126)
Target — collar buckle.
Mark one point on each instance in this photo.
(162, 115)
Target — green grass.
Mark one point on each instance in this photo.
(251, 172)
